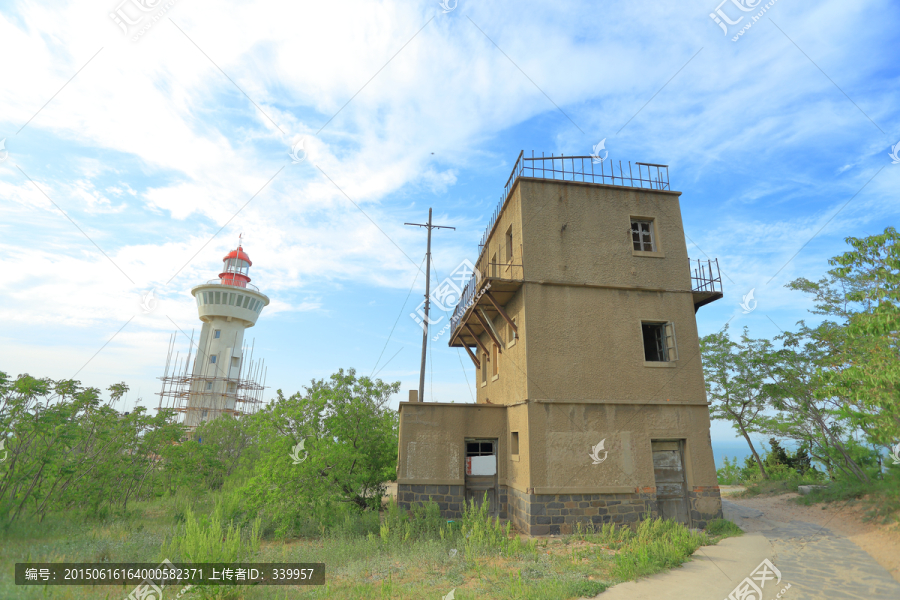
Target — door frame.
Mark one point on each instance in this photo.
(682, 442)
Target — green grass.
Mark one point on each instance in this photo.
(400, 556)
(882, 497)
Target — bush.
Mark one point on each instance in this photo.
(729, 473)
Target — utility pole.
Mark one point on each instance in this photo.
(429, 227)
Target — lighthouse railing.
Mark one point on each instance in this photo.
(233, 283)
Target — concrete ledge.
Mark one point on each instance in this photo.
(614, 489)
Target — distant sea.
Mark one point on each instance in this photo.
(740, 450)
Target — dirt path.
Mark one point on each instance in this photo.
(880, 542)
(813, 553)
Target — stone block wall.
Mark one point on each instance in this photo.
(705, 505)
(450, 498)
(544, 514)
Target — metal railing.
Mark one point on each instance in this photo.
(234, 283)
(582, 169)
(493, 270)
(705, 276)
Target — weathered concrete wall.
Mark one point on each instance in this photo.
(432, 440)
(586, 345)
(579, 233)
(561, 436)
(510, 385)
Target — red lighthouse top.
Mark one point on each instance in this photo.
(237, 265)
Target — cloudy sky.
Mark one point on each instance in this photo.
(142, 138)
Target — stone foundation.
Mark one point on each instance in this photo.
(544, 514)
(705, 505)
(450, 498)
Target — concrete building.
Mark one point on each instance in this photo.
(580, 322)
(223, 379)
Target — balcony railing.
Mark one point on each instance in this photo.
(491, 270)
(705, 276)
(235, 283)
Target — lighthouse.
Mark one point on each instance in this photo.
(222, 380)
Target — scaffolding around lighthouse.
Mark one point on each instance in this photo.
(210, 394)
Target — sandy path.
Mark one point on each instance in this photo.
(881, 542)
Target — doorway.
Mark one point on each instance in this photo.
(671, 485)
(481, 473)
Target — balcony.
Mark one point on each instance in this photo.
(706, 282)
(486, 293)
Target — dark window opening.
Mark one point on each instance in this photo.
(654, 342)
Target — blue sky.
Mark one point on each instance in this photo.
(162, 150)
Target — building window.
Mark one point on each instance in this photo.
(514, 443)
(509, 245)
(203, 414)
(247, 301)
(218, 299)
(235, 362)
(212, 359)
(495, 369)
(642, 236)
(511, 335)
(217, 333)
(479, 449)
(209, 385)
(205, 297)
(232, 387)
(659, 342)
(484, 367)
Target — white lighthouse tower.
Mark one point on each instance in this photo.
(221, 381)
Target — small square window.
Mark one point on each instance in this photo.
(642, 236)
(212, 359)
(235, 362)
(217, 333)
(659, 342)
(514, 443)
(204, 414)
(209, 385)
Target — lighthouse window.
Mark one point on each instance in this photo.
(218, 299)
(217, 333)
(259, 308)
(212, 359)
(205, 297)
(240, 299)
(209, 385)
(247, 301)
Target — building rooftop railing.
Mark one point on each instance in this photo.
(584, 169)
(235, 283)
(705, 276)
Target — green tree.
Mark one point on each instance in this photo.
(734, 381)
(349, 442)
